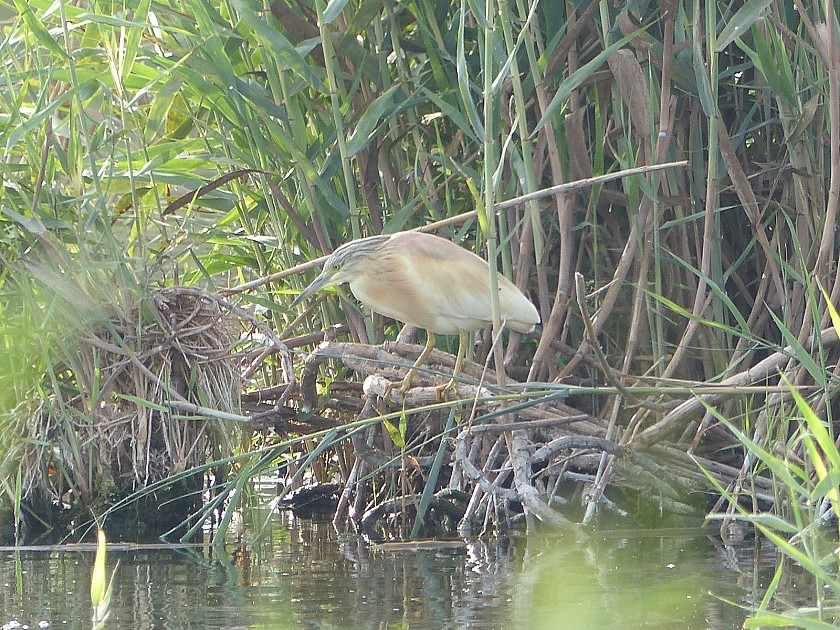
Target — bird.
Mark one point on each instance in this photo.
(427, 281)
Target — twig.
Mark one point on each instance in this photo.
(674, 419)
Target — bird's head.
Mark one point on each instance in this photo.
(345, 264)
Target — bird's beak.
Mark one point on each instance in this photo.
(316, 285)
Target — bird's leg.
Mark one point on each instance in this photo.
(405, 384)
(442, 392)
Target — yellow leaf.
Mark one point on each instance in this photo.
(98, 580)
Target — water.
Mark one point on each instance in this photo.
(305, 576)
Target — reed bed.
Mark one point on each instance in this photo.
(231, 145)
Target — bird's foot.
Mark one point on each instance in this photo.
(402, 386)
(449, 391)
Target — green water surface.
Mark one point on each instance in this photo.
(305, 576)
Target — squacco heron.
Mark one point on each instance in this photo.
(427, 281)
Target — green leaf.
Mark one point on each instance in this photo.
(38, 118)
(835, 317)
(382, 105)
(768, 520)
(142, 402)
(684, 312)
(825, 471)
(741, 22)
(817, 428)
(479, 205)
(720, 293)
(817, 373)
(133, 37)
(98, 580)
(790, 619)
(782, 469)
(432, 480)
(394, 432)
(279, 46)
(333, 10)
(574, 80)
(771, 62)
(37, 28)
(30, 224)
(451, 112)
(701, 78)
(464, 81)
(826, 487)
(403, 424)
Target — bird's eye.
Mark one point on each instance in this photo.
(336, 267)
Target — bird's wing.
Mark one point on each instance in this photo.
(453, 284)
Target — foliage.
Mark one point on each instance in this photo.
(213, 143)
(101, 587)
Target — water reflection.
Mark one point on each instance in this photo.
(304, 576)
(624, 582)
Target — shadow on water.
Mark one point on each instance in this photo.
(304, 576)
